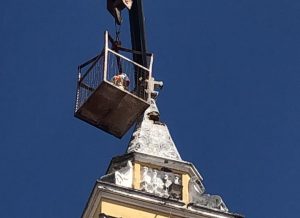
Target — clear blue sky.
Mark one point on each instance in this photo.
(231, 101)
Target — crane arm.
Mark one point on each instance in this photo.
(138, 42)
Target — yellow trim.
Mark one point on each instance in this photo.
(185, 188)
(124, 210)
(137, 176)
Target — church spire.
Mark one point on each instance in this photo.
(152, 137)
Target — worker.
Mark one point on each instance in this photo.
(121, 80)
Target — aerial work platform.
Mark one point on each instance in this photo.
(106, 96)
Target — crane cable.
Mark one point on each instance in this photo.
(116, 45)
(118, 32)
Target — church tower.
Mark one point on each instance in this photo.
(150, 180)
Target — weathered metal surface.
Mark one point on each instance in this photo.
(111, 109)
(152, 136)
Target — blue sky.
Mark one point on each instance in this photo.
(231, 101)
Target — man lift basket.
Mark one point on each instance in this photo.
(106, 90)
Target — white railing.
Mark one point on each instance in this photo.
(112, 67)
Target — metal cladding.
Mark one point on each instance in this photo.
(152, 136)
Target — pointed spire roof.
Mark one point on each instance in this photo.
(152, 136)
